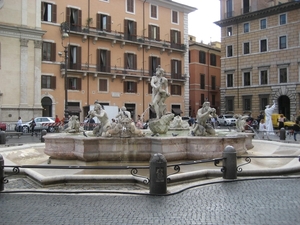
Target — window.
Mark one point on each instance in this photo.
(74, 83)
(74, 18)
(247, 103)
(246, 48)
(263, 45)
(229, 80)
(213, 83)
(229, 51)
(153, 13)
(246, 5)
(247, 78)
(283, 75)
(202, 99)
(174, 17)
(202, 57)
(154, 32)
(130, 6)
(282, 19)
(263, 77)
(176, 69)
(103, 22)
(154, 62)
(263, 24)
(48, 82)
(229, 31)
(103, 85)
(246, 27)
(263, 101)
(213, 59)
(130, 30)
(130, 61)
(48, 50)
(48, 12)
(202, 81)
(103, 59)
(175, 39)
(130, 87)
(229, 104)
(229, 8)
(74, 57)
(282, 42)
(213, 100)
(175, 90)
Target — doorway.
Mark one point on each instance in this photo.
(47, 107)
(284, 106)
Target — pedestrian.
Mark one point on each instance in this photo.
(19, 125)
(296, 129)
(281, 121)
(263, 128)
(57, 120)
(139, 123)
(32, 126)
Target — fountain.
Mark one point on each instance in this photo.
(124, 142)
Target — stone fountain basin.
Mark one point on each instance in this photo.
(67, 146)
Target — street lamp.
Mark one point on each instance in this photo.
(65, 29)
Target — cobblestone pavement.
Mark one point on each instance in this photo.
(253, 201)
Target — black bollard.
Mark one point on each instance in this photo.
(229, 163)
(1, 173)
(282, 134)
(2, 138)
(158, 174)
(43, 133)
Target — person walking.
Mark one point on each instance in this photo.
(32, 126)
(19, 125)
(263, 128)
(281, 121)
(296, 129)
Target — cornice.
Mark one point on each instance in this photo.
(259, 14)
(21, 32)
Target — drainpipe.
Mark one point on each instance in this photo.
(238, 66)
(143, 70)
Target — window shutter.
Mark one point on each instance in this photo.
(79, 20)
(134, 31)
(98, 25)
(150, 66)
(53, 51)
(149, 32)
(172, 68)
(108, 24)
(53, 82)
(108, 61)
(179, 69)
(125, 29)
(125, 60)
(134, 87)
(98, 59)
(134, 62)
(78, 58)
(158, 34)
(53, 14)
(68, 15)
(42, 11)
(125, 86)
(179, 37)
(79, 83)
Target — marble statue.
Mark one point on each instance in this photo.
(240, 122)
(177, 122)
(101, 114)
(74, 125)
(203, 127)
(268, 114)
(160, 92)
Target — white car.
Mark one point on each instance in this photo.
(226, 120)
(39, 121)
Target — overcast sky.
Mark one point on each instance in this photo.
(201, 22)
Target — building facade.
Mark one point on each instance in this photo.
(113, 49)
(20, 59)
(205, 75)
(260, 56)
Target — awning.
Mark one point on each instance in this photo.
(177, 111)
(74, 109)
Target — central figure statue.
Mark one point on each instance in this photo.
(160, 92)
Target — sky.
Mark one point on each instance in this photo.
(201, 21)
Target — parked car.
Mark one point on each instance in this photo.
(226, 120)
(2, 126)
(39, 121)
